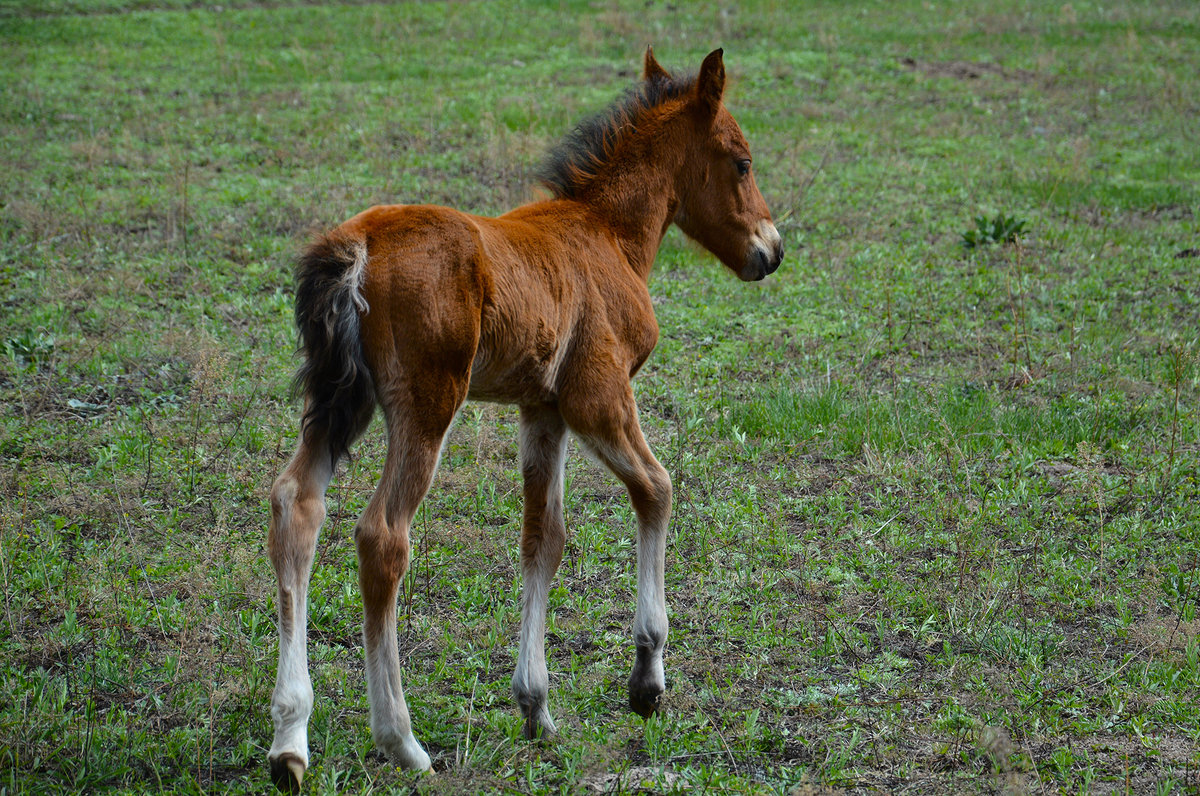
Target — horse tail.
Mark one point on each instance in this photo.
(334, 379)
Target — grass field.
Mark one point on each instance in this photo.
(936, 524)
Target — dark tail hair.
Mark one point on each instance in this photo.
(334, 377)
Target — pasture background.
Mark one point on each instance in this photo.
(936, 524)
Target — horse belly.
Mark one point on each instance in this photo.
(520, 367)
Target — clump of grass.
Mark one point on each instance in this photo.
(29, 348)
(1000, 229)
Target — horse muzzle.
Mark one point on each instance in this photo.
(765, 255)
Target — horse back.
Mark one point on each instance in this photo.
(525, 303)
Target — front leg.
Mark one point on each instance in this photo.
(543, 535)
(647, 681)
(606, 421)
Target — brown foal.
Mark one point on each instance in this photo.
(417, 308)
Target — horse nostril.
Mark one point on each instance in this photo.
(775, 259)
(764, 264)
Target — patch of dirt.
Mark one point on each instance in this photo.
(967, 70)
(1175, 212)
(1099, 216)
(818, 475)
(1062, 471)
(638, 779)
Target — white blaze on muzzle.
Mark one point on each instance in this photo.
(766, 252)
(767, 238)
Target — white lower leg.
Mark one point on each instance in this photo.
(531, 681)
(543, 453)
(297, 511)
(292, 700)
(391, 725)
(647, 682)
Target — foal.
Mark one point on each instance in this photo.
(417, 308)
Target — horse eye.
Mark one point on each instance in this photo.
(743, 167)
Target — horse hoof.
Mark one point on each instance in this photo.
(646, 704)
(287, 772)
(539, 727)
(404, 751)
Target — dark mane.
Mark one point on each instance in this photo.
(576, 160)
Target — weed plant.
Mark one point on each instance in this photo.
(1000, 229)
(936, 524)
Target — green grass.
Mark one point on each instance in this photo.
(936, 523)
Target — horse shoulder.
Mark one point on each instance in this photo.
(529, 315)
(629, 309)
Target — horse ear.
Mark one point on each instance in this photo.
(651, 70)
(710, 85)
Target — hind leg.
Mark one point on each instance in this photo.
(543, 534)
(297, 511)
(606, 421)
(415, 433)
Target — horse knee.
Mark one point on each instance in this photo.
(542, 546)
(295, 518)
(383, 555)
(283, 498)
(661, 490)
(651, 495)
(283, 494)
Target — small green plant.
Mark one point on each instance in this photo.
(1177, 588)
(29, 348)
(1001, 229)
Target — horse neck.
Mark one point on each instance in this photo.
(639, 200)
